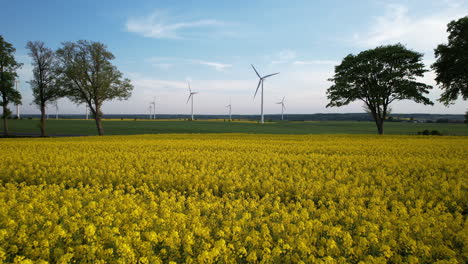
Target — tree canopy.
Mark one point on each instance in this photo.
(378, 77)
(88, 76)
(8, 68)
(44, 85)
(451, 66)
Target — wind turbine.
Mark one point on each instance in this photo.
(230, 107)
(191, 95)
(150, 107)
(260, 82)
(154, 107)
(282, 107)
(17, 106)
(56, 110)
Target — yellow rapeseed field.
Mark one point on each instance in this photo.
(234, 199)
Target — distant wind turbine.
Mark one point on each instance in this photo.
(154, 108)
(191, 95)
(56, 110)
(230, 108)
(260, 82)
(150, 110)
(282, 107)
(17, 106)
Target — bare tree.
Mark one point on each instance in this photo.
(88, 76)
(44, 84)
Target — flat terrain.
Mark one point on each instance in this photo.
(234, 198)
(131, 127)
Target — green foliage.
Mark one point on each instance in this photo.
(8, 67)
(6, 113)
(44, 83)
(88, 76)
(378, 77)
(451, 65)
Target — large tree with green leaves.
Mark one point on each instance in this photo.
(88, 76)
(44, 85)
(451, 64)
(378, 77)
(8, 68)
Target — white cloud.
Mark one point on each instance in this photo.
(316, 62)
(167, 62)
(421, 33)
(398, 24)
(283, 56)
(218, 66)
(156, 25)
(164, 66)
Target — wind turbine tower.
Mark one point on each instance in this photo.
(260, 82)
(56, 110)
(191, 95)
(17, 106)
(229, 106)
(154, 108)
(282, 107)
(150, 110)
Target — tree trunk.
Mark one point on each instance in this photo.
(99, 126)
(97, 117)
(43, 114)
(5, 121)
(379, 124)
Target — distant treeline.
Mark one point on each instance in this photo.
(292, 117)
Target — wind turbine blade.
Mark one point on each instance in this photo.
(256, 71)
(269, 75)
(188, 98)
(258, 86)
(283, 99)
(284, 107)
(190, 90)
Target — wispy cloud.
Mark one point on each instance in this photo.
(316, 62)
(158, 25)
(283, 56)
(216, 65)
(168, 62)
(398, 24)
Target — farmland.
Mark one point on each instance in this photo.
(234, 198)
(131, 127)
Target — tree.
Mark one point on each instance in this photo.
(8, 67)
(378, 77)
(451, 64)
(88, 76)
(44, 85)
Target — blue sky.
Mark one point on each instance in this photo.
(160, 45)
